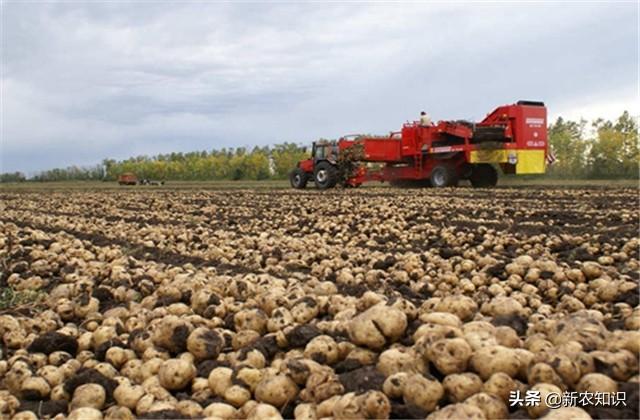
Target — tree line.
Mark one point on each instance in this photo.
(599, 150)
(259, 163)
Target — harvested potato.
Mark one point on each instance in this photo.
(400, 359)
(128, 395)
(544, 373)
(276, 390)
(264, 411)
(583, 328)
(460, 386)
(597, 383)
(204, 343)
(252, 320)
(118, 413)
(371, 404)
(374, 405)
(220, 410)
(544, 390)
(377, 325)
(249, 376)
(462, 307)
(501, 385)
(323, 349)
(219, 380)
(89, 395)
(489, 360)
(237, 395)
(176, 374)
(422, 392)
(35, 388)
(321, 385)
(305, 412)
(492, 406)
(450, 355)
(346, 406)
(85, 413)
(171, 333)
(393, 385)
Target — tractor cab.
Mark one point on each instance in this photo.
(324, 150)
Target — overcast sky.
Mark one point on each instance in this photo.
(83, 81)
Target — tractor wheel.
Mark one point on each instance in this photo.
(298, 178)
(483, 175)
(443, 175)
(325, 175)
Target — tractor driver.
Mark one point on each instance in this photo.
(425, 120)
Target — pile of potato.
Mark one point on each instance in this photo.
(374, 303)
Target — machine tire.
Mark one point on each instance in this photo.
(483, 175)
(298, 178)
(443, 175)
(325, 175)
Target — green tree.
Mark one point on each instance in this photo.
(566, 140)
(606, 152)
(285, 157)
(12, 177)
(628, 128)
(257, 165)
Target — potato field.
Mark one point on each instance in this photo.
(346, 304)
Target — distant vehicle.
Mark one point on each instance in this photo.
(145, 181)
(513, 137)
(128, 178)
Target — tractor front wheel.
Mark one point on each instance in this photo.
(483, 175)
(298, 178)
(443, 176)
(325, 175)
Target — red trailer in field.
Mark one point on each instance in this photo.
(513, 137)
(128, 178)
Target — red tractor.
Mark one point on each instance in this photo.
(513, 137)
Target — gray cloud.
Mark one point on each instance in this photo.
(85, 81)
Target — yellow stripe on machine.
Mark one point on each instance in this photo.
(530, 162)
(489, 156)
(527, 161)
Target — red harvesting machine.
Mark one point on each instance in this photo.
(513, 137)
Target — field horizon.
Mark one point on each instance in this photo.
(34, 186)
